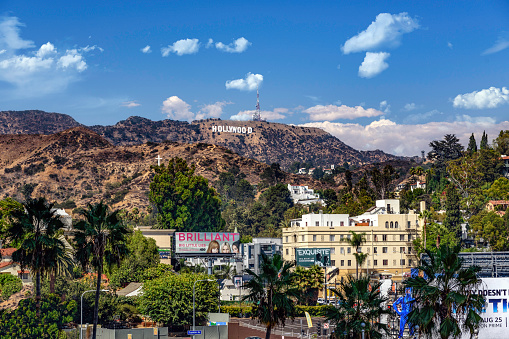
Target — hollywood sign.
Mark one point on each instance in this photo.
(232, 129)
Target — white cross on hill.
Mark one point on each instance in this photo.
(159, 160)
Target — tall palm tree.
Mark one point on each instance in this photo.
(62, 265)
(100, 239)
(272, 292)
(426, 216)
(445, 298)
(359, 302)
(34, 232)
(356, 242)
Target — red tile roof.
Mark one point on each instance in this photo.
(499, 202)
(7, 251)
(6, 263)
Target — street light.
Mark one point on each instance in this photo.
(194, 285)
(81, 319)
(363, 325)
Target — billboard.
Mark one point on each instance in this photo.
(207, 243)
(307, 257)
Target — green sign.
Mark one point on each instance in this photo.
(307, 257)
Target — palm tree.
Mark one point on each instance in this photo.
(63, 264)
(34, 231)
(426, 216)
(100, 239)
(356, 242)
(272, 292)
(359, 302)
(445, 298)
(309, 281)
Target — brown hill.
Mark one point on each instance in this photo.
(268, 142)
(80, 166)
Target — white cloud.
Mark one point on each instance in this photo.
(72, 60)
(238, 46)
(407, 140)
(146, 49)
(2, 51)
(210, 43)
(88, 48)
(385, 31)
(9, 35)
(212, 110)
(46, 50)
(501, 44)
(177, 109)
(449, 45)
(130, 104)
(249, 83)
(487, 98)
(276, 114)
(333, 112)
(385, 107)
(421, 117)
(410, 107)
(476, 120)
(373, 64)
(181, 47)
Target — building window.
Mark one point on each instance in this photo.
(331, 224)
(349, 263)
(396, 224)
(367, 237)
(384, 237)
(317, 223)
(342, 263)
(333, 262)
(384, 249)
(332, 237)
(409, 237)
(341, 223)
(409, 249)
(386, 224)
(394, 262)
(333, 250)
(367, 250)
(394, 250)
(287, 251)
(386, 262)
(402, 262)
(408, 225)
(401, 250)
(375, 262)
(410, 262)
(375, 250)
(417, 223)
(342, 250)
(327, 223)
(306, 224)
(314, 237)
(348, 236)
(286, 239)
(348, 250)
(392, 224)
(341, 237)
(302, 238)
(375, 237)
(401, 237)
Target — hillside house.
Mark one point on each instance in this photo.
(304, 195)
(8, 266)
(505, 170)
(497, 206)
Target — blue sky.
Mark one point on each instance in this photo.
(390, 75)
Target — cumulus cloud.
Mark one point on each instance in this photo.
(402, 139)
(373, 64)
(385, 31)
(147, 49)
(237, 46)
(410, 107)
(88, 48)
(492, 97)
(36, 72)
(210, 43)
(421, 117)
(181, 47)
(249, 83)
(501, 44)
(449, 45)
(212, 110)
(130, 104)
(385, 107)
(333, 112)
(177, 109)
(276, 114)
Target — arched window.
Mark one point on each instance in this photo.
(392, 224)
(386, 224)
(396, 224)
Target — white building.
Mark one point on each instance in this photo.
(304, 195)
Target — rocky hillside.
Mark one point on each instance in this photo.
(80, 166)
(264, 141)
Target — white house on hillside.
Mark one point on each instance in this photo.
(304, 195)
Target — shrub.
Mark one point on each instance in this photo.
(34, 168)
(9, 285)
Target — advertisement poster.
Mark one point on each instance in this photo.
(237, 281)
(207, 243)
(307, 257)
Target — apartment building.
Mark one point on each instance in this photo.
(389, 238)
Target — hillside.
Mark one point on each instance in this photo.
(82, 166)
(268, 142)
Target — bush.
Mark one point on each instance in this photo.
(9, 285)
(34, 168)
(236, 311)
(314, 311)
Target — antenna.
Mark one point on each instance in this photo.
(256, 114)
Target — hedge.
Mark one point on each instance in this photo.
(314, 311)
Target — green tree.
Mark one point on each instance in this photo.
(501, 143)
(309, 281)
(472, 145)
(359, 302)
(273, 174)
(492, 228)
(169, 299)
(34, 231)
(356, 241)
(499, 190)
(184, 201)
(100, 239)
(9, 285)
(8, 208)
(484, 141)
(445, 298)
(383, 180)
(143, 254)
(272, 292)
(436, 233)
(452, 209)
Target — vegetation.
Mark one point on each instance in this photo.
(445, 298)
(308, 281)
(356, 241)
(183, 200)
(272, 292)
(9, 285)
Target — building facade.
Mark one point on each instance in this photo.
(304, 195)
(252, 252)
(389, 239)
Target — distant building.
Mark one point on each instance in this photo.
(8, 266)
(304, 195)
(311, 171)
(497, 206)
(252, 252)
(64, 217)
(303, 170)
(505, 170)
